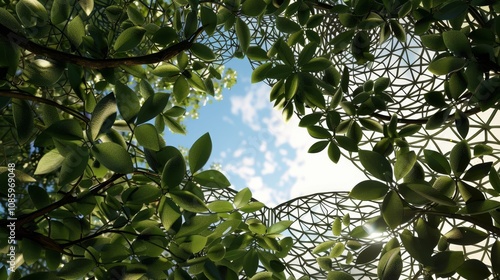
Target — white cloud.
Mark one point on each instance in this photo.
(249, 105)
(303, 173)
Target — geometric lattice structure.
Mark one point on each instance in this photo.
(313, 216)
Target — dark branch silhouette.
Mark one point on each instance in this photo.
(165, 54)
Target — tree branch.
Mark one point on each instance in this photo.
(21, 95)
(470, 219)
(379, 116)
(165, 54)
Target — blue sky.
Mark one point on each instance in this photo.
(257, 149)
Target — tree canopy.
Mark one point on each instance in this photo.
(407, 90)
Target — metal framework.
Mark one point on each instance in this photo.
(313, 216)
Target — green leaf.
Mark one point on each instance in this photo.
(143, 194)
(242, 198)
(252, 207)
(435, 98)
(208, 19)
(181, 89)
(437, 162)
(316, 64)
(477, 172)
(103, 116)
(43, 72)
(318, 132)
(49, 162)
(76, 31)
(129, 38)
(216, 252)
(212, 179)
(398, 31)
(462, 123)
(338, 275)
(200, 152)
(59, 12)
(68, 129)
(390, 265)
(87, 6)
(127, 101)
(409, 130)
(334, 152)
(438, 119)
(166, 71)
(31, 251)
(38, 196)
(495, 256)
(310, 119)
(494, 179)
(152, 107)
(337, 226)
(369, 254)
(318, 146)
(188, 201)
(292, 86)
(76, 269)
(324, 246)
(169, 212)
(337, 250)
(460, 157)
(23, 119)
(243, 34)
(445, 65)
(220, 206)
(31, 13)
(194, 243)
(479, 207)
(474, 270)
(279, 227)
(114, 157)
(135, 15)
(253, 8)
(260, 72)
(256, 53)
(431, 194)
(446, 262)
(286, 25)
(173, 125)
(369, 190)
(307, 53)
(404, 164)
(173, 171)
(451, 10)
(433, 42)
(203, 52)
(392, 209)
(376, 164)
(325, 263)
(74, 165)
(148, 137)
(196, 225)
(482, 150)
(465, 236)
(457, 42)
(9, 20)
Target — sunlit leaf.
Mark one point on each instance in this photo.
(129, 38)
(392, 209)
(114, 157)
(188, 201)
(200, 152)
(390, 265)
(369, 253)
(212, 179)
(376, 164)
(460, 157)
(369, 190)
